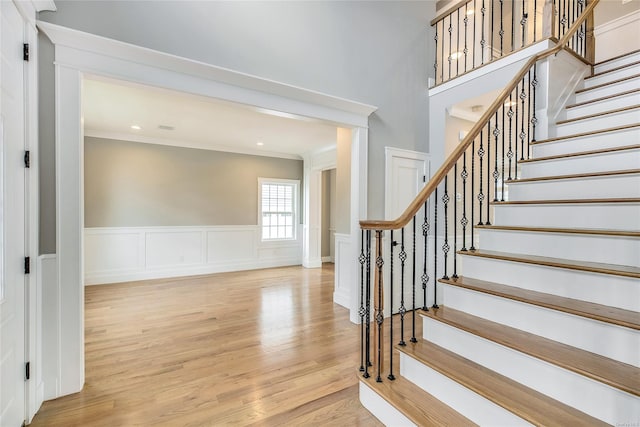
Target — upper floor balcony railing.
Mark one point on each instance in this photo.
(477, 32)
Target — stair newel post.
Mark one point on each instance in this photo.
(496, 174)
(367, 306)
(488, 222)
(403, 309)
(455, 220)
(391, 245)
(362, 259)
(445, 246)
(464, 221)
(413, 286)
(480, 194)
(379, 304)
(473, 174)
(435, 247)
(425, 236)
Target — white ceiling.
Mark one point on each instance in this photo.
(111, 107)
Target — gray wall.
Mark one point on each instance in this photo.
(129, 184)
(377, 52)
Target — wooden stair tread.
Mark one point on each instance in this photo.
(416, 404)
(604, 98)
(621, 67)
(522, 401)
(599, 368)
(575, 176)
(612, 82)
(594, 231)
(583, 153)
(633, 52)
(568, 201)
(584, 134)
(593, 267)
(600, 114)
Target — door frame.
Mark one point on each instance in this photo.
(78, 53)
(389, 154)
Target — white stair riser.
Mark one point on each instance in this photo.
(608, 340)
(604, 162)
(381, 409)
(628, 59)
(581, 247)
(627, 100)
(613, 75)
(614, 291)
(628, 117)
(609, 90)
(588, 143)
(612, 186)
(461, 399)
(613, 216)
(570, 388)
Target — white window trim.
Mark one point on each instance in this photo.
(296, 207)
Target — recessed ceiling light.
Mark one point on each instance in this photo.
(135, 127)
(260, 143)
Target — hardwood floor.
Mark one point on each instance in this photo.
(259, 348)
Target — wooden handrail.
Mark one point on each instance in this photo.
(424, 194)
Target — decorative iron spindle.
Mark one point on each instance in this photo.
(466, 23)
(535, 20)
(510, 152)
(493, 39)
(496, 174)
(475, 14)
(413, 280)
(534, 119)
(523, 135)
(513, 25)
(379, 306)
(425, 276)
(501, 32)
(480, 194)
(435, 63)
(367, 362)
(528, 112)
(464, 221)
(515, 157)
(488, 222)
(445, 246)
(403, 310)
(473, 173)
(391, 245)
(455, 220)
(362, 259)
(450, 52)
(457, 58)
(502, 155)
(435, 248)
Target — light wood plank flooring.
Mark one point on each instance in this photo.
(259, 348)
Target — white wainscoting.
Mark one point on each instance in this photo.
(618, 36)
(121, 254)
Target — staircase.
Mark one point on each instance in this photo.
(543, 325)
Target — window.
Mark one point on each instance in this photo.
(278, 208)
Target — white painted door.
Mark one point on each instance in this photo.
(406, 175)
(12, 218)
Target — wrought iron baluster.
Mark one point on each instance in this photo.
(362, 259)
(564, 19)
(367, 363)
(457, 58)
(502, 155)
(523, 23)
(523, 135)
(535, 20)
(488, 222)
(473, 44)
(391, 377)
(442, 57)
(413, 280)
(473, 173)
(529, 116)
(496, 174)
(445, 246)
(464, 221)
(450, 52)
(466, 23)
(425, 276)
(493, 39)
(515, 157)
(483, 40)
(513, 25)
(481, 153)
(510, 152)
(403, 309)
(435, 248)
(455, 219)
(501, 32)
(379, 306)
(435, 63)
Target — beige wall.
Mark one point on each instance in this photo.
(328, 209)
(129, 184)
(343, 181)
